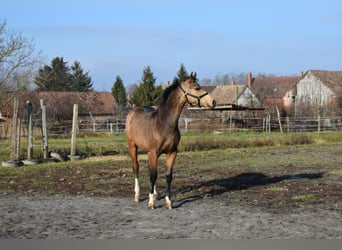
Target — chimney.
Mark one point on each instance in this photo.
(249, 80)
(301, 74)
(233, 83)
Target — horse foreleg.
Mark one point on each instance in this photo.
(153, 178)
(135, 167)
(170, 160)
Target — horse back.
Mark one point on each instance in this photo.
(145, 130)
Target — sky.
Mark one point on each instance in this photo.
(213, 37)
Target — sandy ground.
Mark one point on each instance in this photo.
(86, 217)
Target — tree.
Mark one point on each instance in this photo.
(80, 81)
(146, 93)
(59, 77)
(55, 77)
(119, 94)
(18, 62)
(182, 74)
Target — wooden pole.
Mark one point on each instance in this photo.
(18, 139)
(74, 130)
(281, 129)
(319, 123)
(30, 132)
(269, 122)
(44, 130)
(14, 129)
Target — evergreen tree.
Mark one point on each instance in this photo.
(79, 80)
(146, 93)
(182, 74)
(55, 77)
(119, 93)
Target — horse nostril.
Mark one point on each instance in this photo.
(214, 103)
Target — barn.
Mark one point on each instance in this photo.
(318, 92)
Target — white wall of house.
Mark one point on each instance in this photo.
(311, 91)
(248, 99)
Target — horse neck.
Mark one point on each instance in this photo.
(170, 111)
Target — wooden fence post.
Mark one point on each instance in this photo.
(14, 129)
(74, 130)
(29, 131)
(44, 130)
(278, 113)
(18, 139)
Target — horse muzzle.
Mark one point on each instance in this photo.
(207, 102)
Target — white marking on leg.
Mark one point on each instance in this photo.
(168, 202)
(151, 201)
(155, 193)
(136, 190)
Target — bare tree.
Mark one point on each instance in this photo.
(18, 63)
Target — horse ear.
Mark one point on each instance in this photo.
(191, 76)
(195, 75)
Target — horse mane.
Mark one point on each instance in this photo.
(173, 86)
(167, 93)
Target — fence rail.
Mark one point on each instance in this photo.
(270, 124)
(274, 124)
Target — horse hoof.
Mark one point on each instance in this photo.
(168, 202)
(151, 206)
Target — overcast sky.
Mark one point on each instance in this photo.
(211, 37)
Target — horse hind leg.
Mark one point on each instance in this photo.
(170, 159)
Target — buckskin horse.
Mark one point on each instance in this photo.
(155, 130)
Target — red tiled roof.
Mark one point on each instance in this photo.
(273, 87)
(98, 103)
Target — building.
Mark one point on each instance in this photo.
(317, 92)
(273, 91)
(93, 108)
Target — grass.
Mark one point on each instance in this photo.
(305, 198)
(260, 169)
(103, 144)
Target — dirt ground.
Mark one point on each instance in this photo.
(267, 193)
(82, 217)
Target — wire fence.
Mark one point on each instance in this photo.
(266, 124)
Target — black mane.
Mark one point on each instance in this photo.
(167, 93)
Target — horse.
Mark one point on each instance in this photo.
(155, 130)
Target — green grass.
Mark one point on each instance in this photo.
(274, 170)
(98, 145)
(304, 198)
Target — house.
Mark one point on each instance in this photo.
(59, 104)
(92, 106)
(240, 95)
(317, 92)
(233, 102)
(272, 91)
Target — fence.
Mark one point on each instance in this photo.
(268, 123)
(64, 128)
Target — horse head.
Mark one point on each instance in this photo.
(194, 93)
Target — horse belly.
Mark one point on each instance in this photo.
(170, 144)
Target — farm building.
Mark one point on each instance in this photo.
(318, 92)
(94, 107)
(235, 94)
(233, 106)
(272, 91)
(59, 104)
